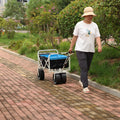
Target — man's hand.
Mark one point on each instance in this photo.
(70, 50)
(99, 49)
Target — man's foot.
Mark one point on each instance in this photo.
(86, 90)
(81, 83)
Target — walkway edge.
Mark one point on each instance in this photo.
(98, 86)
(77, 77)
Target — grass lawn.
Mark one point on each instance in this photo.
(19, 36)
(105, 67)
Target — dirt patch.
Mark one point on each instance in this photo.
(111, 61)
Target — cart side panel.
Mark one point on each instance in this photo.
(56, 64)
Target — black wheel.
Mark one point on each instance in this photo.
(40, 74)
(56, 78)
(63, 75)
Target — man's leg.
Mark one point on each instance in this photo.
(89, 59)
(82, 59)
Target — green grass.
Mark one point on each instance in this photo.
(18, 36)
(105, 67)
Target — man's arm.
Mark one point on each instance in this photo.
(74, 39)
(98, 41)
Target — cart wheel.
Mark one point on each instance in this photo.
(56, 78)
(63, 75)
(40, 74)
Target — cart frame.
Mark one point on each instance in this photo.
(59, 73)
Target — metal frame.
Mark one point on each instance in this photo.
(47, 62)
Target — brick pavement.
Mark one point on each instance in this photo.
(24, 97)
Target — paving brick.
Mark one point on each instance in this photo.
(24, 97)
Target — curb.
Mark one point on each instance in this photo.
(14, 53)
(76, 77)
(97, 85)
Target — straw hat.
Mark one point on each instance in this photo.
(88, 11)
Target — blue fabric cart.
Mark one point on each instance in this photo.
(52, 60)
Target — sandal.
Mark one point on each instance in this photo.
(81, 83)
(86, 90)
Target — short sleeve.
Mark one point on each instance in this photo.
(75, 32)
(97, 32)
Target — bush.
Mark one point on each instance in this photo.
(64, 46)
(69, 16)
(22, 50)
(10, 34)
(27, 47)
(108, 19)
(9, 27)
(45, 46)
(0, 33)
(15, 45)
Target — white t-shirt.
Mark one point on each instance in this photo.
(86, 36)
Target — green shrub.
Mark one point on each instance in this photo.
(27, 47)
(15, 45)
(28, 43)
(9, 27)
(64, 46)
(0, 33)
(22, 50)
(69, 16)
(10, 34)
(108, 18)
(45, 46)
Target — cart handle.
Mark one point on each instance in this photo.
(48, 50)
(65, 53)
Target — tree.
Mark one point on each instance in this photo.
(9, 26)
(14, 9)
(108, 18)
(42, 22)
(33, 5)
(70, 15)
(1, 24)
(61, 4)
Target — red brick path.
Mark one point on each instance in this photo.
(24, 97)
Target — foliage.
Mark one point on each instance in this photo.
(61, 4)
(10, 34)
(69, 16)
(105, 67)
(42, 17)
(1, 25)
(107, 12)
(9, 27)
(18, 37)
(1, 22)
(27, 47)
(34, 6)
(15, 45)
(42, 22)
(64, 46)
(14, 9)
(108, 18)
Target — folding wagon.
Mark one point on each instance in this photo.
(53, 61)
